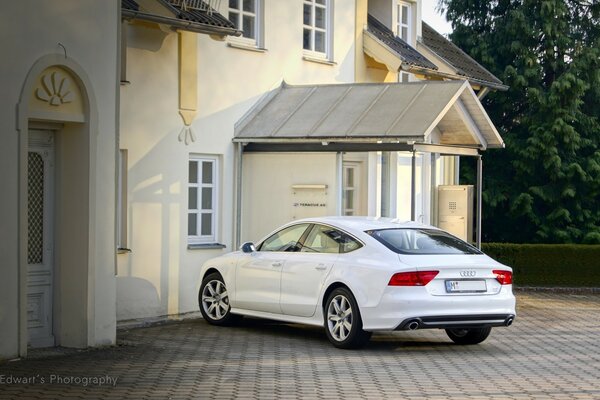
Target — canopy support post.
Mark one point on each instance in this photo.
(479, 199)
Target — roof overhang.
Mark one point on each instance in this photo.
(164, 13)
(381, 44)
(456, 73)
(453, 62)
(380, 52)
(370, 117)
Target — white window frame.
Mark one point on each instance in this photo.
(399, 25)
(404, 77)
(350, 188)
(257, 41)
(328, 30)
(213, 237)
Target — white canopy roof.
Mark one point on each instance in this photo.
(433, 112)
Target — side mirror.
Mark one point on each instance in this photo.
(248, 247)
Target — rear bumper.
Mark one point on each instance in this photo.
(399, 305)
(456, 321)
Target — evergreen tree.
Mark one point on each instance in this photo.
(545, 186)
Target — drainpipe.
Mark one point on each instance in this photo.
(479, 198)
(413, 183)
(339, 189)
(238, 195)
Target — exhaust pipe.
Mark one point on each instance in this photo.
(509, 321)
(413, 325)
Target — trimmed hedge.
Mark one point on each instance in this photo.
(566, 265)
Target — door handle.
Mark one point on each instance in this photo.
(276, 264)
(321, 267)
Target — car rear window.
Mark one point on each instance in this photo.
(422, 241)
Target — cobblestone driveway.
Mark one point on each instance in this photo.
(551, 351)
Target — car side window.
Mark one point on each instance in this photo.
(325, 239)
(285, 240)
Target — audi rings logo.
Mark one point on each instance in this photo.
(468, 273)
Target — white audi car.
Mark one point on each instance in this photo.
(357, 275)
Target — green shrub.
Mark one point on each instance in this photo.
(567, 265)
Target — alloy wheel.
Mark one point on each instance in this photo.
(215, 300)
(339, 317)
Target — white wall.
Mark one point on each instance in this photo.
(382, 11)
(270, 199)
(161, 275)
(88, 30)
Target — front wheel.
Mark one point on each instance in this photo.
(343, 324)
(468, 336)
(213, 300)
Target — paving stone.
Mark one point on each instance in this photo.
(551, 351)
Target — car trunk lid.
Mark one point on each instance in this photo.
(458, 274)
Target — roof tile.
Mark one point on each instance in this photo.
(406, 53)
(461, 61)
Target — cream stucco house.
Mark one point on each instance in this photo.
(181, 128)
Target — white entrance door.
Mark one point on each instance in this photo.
(40, 247)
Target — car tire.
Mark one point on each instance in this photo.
(343, 323)
(468, 336)
(213, 300)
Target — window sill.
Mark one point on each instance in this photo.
(205, 246)
(318, 60)
(246, 46)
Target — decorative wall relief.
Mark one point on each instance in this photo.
(55, 89)
(188, 84)
(186, 134)
(56, 96)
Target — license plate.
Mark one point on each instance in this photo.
(466, 286)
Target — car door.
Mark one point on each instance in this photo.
(304, 272)
(258, 274)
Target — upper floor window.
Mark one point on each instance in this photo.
(246, 16)
(317, 27)
(403, 21)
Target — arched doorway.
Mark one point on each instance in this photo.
(56, 123)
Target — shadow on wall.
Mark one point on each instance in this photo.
(136, 296)
(161, 275)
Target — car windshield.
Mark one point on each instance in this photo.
(422, 241)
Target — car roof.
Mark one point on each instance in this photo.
(361, 224)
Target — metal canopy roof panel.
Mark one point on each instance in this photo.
(426, 107)
(276, 112)
(348, 109)
(311, 110)
(382, 111)
(388, 108)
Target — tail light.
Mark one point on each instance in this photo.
(413, 278)
(504, 277)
